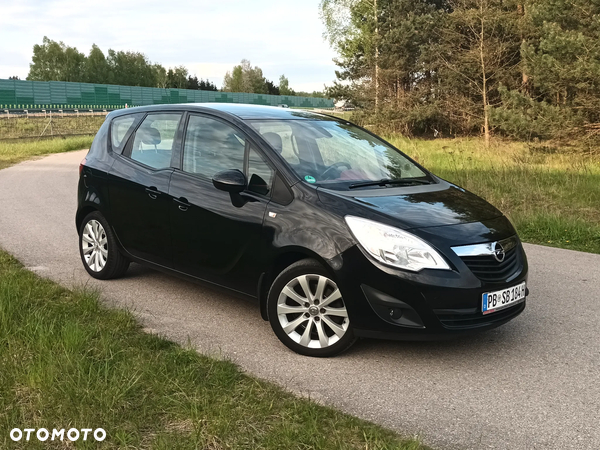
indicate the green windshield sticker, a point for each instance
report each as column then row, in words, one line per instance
column 310, row 179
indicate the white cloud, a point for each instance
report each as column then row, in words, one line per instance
column 207, row 36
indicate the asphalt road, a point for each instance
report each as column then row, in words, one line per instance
column 531, row 384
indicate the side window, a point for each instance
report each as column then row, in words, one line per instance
column 153, row 143
column 212, row 146
column 119, row 130
column 260, row 174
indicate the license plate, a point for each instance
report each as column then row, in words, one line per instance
column 495, row 301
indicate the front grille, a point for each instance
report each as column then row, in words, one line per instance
column 473, row 318
column 487, row 268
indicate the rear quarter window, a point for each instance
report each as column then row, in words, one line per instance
column 120, row 129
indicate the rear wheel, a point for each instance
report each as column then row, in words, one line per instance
column 307, row 311
column 98, row 248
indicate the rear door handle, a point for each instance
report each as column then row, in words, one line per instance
column 153, row 193
column 182, row 203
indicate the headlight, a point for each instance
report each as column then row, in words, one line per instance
column 395, row 247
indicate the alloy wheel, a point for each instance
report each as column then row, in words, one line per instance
column 311, row 311
column 94, row 245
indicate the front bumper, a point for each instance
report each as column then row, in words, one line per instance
column 389, row 303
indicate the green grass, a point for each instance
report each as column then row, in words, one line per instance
column 15, row 152
column 552, row 195
column 68, row 362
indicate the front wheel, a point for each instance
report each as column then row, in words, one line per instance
column 307, row 311
column 98, row 248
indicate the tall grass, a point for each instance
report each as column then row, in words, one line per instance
column 551, row 195
column 67, row 362
column 14, row 152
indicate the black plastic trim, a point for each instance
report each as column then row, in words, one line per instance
column 391, row 309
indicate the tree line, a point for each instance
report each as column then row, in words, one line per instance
column 56, row 61
column 245, row 78
column 520, row 68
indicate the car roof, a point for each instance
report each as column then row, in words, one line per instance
column 242, row 111
column 245, row 111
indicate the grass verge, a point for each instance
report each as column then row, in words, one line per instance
column 33, row 127
column 15, row 152
column 551, row 195
column 68, row 362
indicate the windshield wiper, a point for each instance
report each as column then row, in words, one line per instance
column 386, row 181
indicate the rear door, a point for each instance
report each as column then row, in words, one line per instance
column 139, row 187
column 213, row 239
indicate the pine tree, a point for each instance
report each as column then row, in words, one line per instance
column 563, row 59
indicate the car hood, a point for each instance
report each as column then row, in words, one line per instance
column 424, row 206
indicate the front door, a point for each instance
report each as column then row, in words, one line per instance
column 139, row 185
column 213, row 239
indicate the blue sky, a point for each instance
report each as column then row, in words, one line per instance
column 209, row 37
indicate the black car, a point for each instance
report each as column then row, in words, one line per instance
column 335, row 232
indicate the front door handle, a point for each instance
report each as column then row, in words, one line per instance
column 182, row 203
column 153, row 193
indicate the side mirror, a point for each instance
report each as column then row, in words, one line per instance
column 232, row 181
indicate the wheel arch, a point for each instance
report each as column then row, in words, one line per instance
column 82, row 213
column 284, row 259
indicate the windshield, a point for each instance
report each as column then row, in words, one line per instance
column 338, row 155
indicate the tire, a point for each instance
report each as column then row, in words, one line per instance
column 313, row 324
column 98, row 248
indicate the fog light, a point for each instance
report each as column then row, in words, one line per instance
column 395, row 313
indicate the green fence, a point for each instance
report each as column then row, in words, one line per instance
column 32, row 95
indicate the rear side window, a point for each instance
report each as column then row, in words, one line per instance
column 212, row 146
column 154, row 140
column 121, row 128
